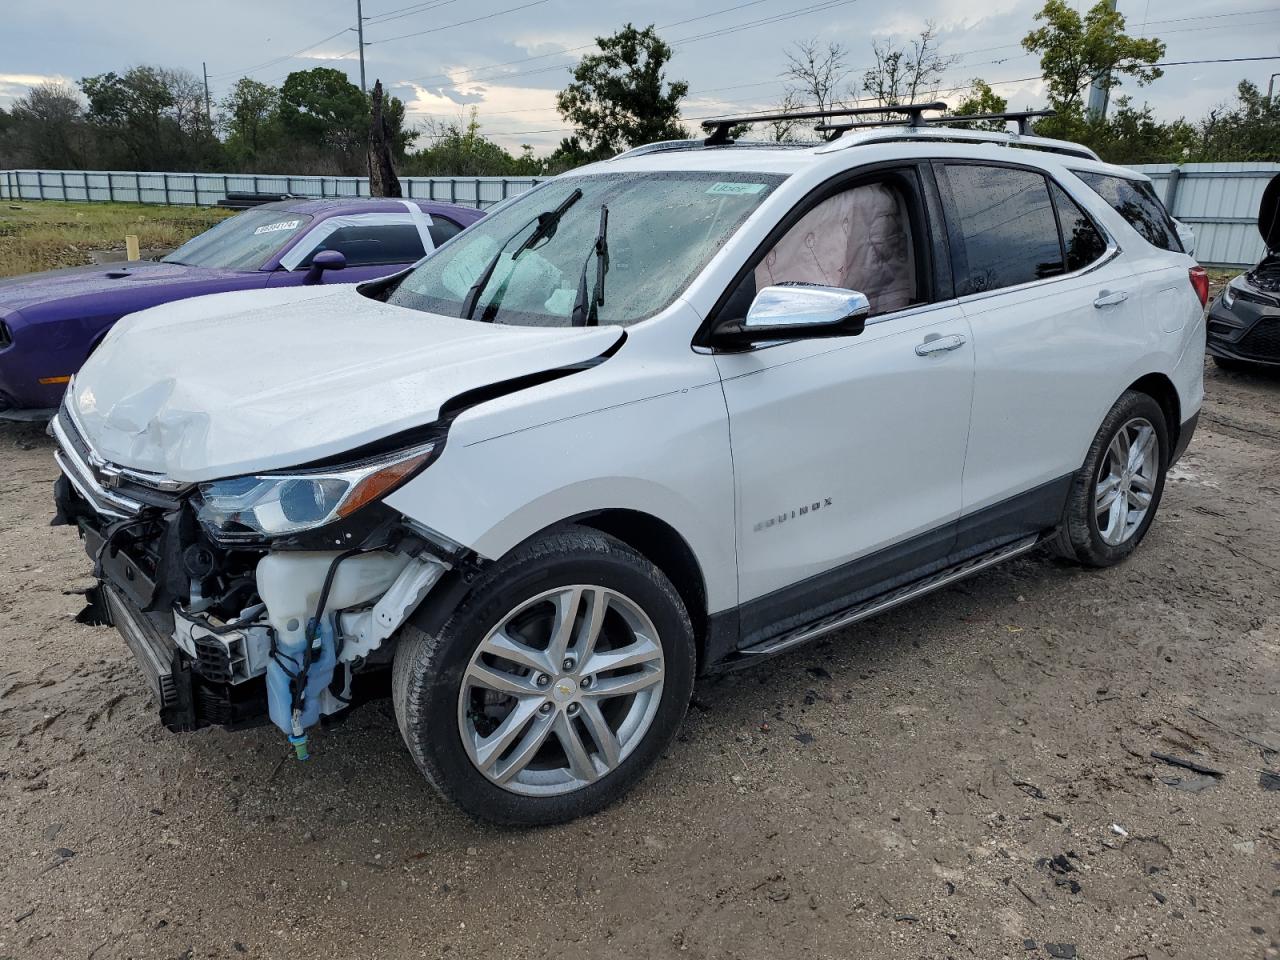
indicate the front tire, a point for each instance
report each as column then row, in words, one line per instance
column 553, row 687
column 1114, row 496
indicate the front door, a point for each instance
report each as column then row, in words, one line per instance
column 848, row 452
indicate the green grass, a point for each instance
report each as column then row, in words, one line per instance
column 42, row 235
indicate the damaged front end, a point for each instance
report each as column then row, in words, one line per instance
column 1244, row 321
column 259, row 597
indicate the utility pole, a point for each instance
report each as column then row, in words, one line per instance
column 360, row 38
column 208, row 109
column 1100, row 88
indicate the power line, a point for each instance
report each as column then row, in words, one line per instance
column 567, row 50
column 281, row 59
column 410, row 11
column 460, row 23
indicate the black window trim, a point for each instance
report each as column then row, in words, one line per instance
column 1171, row 222
column 950, row 217
column 305, row 264
column 930, row 242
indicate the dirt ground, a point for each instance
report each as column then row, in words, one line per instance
column 969, row 776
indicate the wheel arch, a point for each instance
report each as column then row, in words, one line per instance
column 1160, row 388
column 650, row 536
column 663, row 546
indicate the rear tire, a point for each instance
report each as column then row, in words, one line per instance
column 1115, row 494
column 583, row 725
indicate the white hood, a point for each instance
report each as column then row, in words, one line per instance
column 243, row 382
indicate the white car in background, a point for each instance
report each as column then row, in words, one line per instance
column 664, row 415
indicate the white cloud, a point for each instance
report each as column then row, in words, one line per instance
column 15, row 85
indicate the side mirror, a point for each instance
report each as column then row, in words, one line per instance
column 795, row 311
column 322, row 261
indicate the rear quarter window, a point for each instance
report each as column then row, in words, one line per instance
column 1137, row 202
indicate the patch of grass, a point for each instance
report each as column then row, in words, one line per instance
column 42, row 235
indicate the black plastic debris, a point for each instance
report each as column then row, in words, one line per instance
column 1268, row 780
column 1187, row 764
column 1030, row 789
column 1061, row 951
column 1028, row 944
column 803, row 737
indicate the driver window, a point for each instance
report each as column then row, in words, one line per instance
column 859, row 239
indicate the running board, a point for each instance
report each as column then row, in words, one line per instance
column 886, row 601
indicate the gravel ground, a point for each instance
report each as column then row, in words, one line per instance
column 969, row 776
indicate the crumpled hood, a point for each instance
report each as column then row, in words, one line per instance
column 244, row 382
column 98, row 280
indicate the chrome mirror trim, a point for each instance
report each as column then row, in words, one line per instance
column 803, row 305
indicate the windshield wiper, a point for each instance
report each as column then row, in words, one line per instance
column 547, row 222
column 584, row 314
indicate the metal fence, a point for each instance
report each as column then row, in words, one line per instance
column 1219, row 200
column 1220, row 203
column 206, row 189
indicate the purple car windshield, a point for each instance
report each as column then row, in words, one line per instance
column 243, row 242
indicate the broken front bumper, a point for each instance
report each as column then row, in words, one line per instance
column 219, row 631
column 1248, row 329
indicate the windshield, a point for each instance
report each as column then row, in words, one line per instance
column 243, row 242
column 663, row 228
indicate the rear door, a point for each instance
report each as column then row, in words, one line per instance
column 848, row 452
column 1056, row 323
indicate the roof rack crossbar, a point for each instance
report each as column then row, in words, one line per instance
column 718, row 129
column 1019, row 116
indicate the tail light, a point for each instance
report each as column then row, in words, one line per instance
column 1200, row 283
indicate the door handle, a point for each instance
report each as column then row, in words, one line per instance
column 938, row 344
column 1109, row 298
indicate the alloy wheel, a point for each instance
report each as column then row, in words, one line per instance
column 1126, row 482
column 561, row 690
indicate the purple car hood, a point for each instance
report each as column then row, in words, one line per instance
column 244, row 382
column 119, row 279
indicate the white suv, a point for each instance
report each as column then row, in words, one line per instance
column 663, row 415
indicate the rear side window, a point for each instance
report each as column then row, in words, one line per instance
column 1138, row 204
column 442, row 229
column 1006, row 222
column 365, row 246
column 1081, row 241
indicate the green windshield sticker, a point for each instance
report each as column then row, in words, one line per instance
column 735, row 189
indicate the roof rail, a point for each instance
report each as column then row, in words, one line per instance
column 718, row 129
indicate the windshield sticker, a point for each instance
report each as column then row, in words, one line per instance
column 276, row 227
column 735, row 189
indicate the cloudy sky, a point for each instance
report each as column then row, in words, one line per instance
column 508, row 57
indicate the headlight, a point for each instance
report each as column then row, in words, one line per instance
column 1228, row 295
column 278, row 503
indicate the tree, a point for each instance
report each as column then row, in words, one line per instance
column 1247, row 130
column 457, row 148
column 1075, row 52
column 321, row 109
column 982, row 99
column 815, row 77
column 620, row 97
column 251, row 121
column 326, row 117
column 130, row 114
column 906, row 74
column 46, row 128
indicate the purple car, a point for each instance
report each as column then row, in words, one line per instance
column 49, row 322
